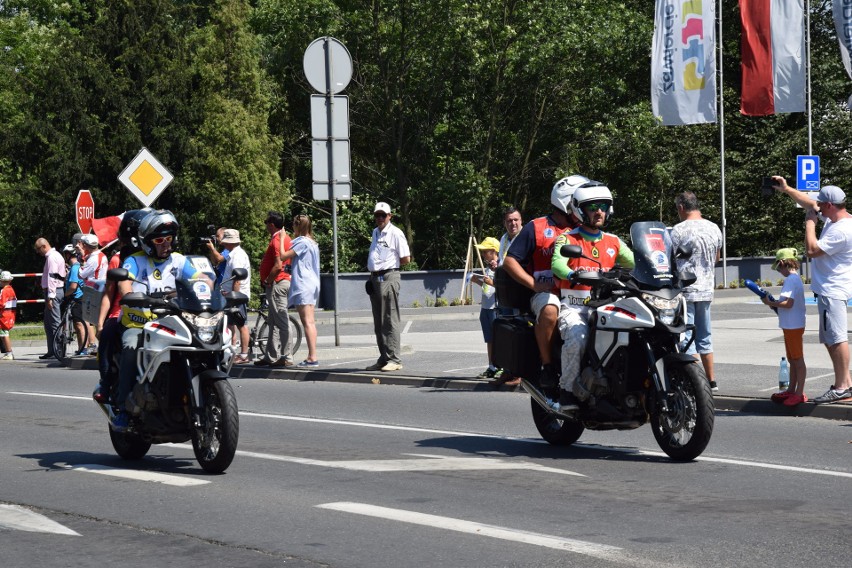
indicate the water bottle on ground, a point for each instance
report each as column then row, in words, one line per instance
column 784, row 375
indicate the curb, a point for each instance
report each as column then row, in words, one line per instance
column 745, row 405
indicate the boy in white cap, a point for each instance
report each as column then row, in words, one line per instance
column 831, row 280
column 8, row 303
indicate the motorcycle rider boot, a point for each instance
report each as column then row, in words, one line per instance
column 120, row 421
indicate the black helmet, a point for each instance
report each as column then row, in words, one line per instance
column 128, row 231
column 159, row 223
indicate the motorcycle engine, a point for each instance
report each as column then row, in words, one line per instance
column 141, row 399
column 591, row 383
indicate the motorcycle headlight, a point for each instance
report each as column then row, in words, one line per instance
column 667, row 308
column 205, row 324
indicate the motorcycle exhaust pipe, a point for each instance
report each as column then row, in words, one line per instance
column 549, row 405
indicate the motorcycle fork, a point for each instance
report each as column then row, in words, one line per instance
column 657, row 368
column 192, row 403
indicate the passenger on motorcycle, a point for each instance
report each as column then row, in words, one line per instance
column 592, row 204
column 158, row 267
column 528, row 262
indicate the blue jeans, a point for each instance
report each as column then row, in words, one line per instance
column 698, row 313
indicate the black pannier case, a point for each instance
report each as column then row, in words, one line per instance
column 515, row 349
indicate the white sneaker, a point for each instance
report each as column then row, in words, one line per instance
column 391, row 366
column 375, row 367
column 7, row 357
column 833, row 395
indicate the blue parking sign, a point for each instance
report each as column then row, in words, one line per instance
column 807, row 173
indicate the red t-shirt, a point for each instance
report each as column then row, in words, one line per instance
column 114, row 306
column 273, row 251
column 8, row 302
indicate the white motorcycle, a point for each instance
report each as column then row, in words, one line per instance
column 634, row 369
column 182, row 391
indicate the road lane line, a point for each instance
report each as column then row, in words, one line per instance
column 407, row 327
column 136, row 475
column 602, row 551
column 18, row 518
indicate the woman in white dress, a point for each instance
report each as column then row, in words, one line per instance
column 304, row 281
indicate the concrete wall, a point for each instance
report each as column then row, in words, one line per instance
column 418, row 286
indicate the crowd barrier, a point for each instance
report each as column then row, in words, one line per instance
column 29, row 275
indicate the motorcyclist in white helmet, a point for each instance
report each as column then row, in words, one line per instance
column 528, row 262
column 592, row 205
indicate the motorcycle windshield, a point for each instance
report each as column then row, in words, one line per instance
column 199, row 294
column 652, row 252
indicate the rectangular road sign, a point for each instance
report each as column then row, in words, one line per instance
column 339, row 116
column 807, row 173
column 341, row 191
column 340, row 172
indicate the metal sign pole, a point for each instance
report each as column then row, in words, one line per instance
column 329, row 97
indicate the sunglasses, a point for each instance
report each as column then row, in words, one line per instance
column 161, row 240
column 380, row 215
column 603, row 206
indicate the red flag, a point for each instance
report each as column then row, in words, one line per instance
column 772, row 57
column 106, row 229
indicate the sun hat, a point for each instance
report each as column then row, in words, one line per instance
column 5, row 276
column 831, row 194
column 383, row 207
column 785, row 254
column 230, row 237
column 489, row 243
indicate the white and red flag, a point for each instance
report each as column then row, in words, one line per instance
column 773, row 49
column 842, row 10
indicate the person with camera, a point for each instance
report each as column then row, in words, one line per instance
column 591, row 203
column 705, row 239
column 218, row 258
column 831, row 276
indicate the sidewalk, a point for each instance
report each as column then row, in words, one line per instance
column 443, row 349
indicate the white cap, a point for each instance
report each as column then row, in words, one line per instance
column 5, row 276
column 383, row 207
column 89, row 240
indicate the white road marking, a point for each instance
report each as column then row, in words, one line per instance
column 165, row 479
column 462, row 369
column 407, row 326
column 806, row 380
column 427, row 462
column 337, row 364
column 607, row 552
column 21, row 519
column 639, row 451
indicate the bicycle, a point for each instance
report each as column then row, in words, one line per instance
column 65, row 334
column 259, row 333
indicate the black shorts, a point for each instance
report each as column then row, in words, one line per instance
column 76, row 310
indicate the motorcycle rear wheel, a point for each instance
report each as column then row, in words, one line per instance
column 554, row 430
column 215, row 444
column 684, row 432
column 128, row 446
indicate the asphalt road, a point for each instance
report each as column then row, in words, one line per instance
column 347, row 475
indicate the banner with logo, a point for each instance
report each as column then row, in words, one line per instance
column 683, row 64
column 843, row 24
column 773, row 49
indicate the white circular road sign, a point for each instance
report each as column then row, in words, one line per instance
column 328, row 65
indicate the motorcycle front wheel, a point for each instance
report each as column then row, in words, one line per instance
column 215, row 442
column 684, row 431
column 128, row 446
column 553, row 429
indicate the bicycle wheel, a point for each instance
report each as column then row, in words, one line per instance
column 257, row 340
column 296, row 334
column 61, row 338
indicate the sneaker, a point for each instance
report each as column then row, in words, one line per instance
column 833, row 395
column 795, row 399
column 101, row 395
column 282, row 362
column 780, row 397
column 567, row 400
column 121, row 421
column 713, row 386
column 489, row 373
column 7, row 357
column 548, row 377
column 375, row 367
column 92, row 350
column 391, row 366
column 262, row 363
column 307, row 363
column 47, row 356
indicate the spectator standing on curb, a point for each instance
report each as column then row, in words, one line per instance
column 528, row 262
column 305, row 281
column 790, row 306
column 490, row 248
column 275, row 277
column 53, row 264
column 705, row 240
column 237, row 258
column 388, row 252
column 513, row 223
column 831, row 272
column 73, row 293
column 8, row 304
column 93, row 274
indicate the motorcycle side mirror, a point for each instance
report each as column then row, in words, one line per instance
column 571, row 251
column 240, row 274
column 687, row 278
column 683, row 251
column 118, row 275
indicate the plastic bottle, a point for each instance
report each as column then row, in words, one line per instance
column 784, row 375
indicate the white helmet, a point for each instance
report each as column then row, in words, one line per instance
column 593, row 192
column 563, row 190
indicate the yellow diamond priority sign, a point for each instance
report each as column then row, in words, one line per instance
column 145, row 177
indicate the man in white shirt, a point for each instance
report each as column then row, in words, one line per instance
column 388, row 251
column 831, row 276
column 237, row 258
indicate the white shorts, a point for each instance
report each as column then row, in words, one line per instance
column 542, row 299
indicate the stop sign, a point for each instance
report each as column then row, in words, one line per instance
column 85, row 210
